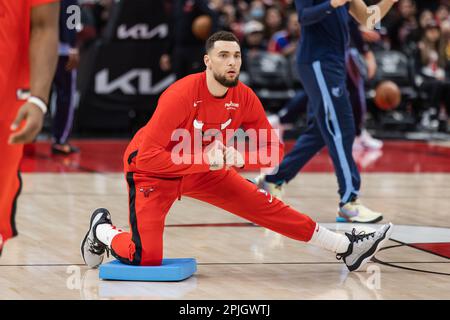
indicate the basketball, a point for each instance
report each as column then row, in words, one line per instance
column 387, row 95
column 201, row 27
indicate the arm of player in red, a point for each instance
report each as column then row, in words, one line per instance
column 155, row 154
column 267, row 151
column 43, row 54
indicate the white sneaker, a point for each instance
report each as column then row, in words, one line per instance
column 93, row 249
column 358, row 145
column 272, row 188
column 363, row 246
column 356, row 212
column 369, row 142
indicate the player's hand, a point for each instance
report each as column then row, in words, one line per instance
column 370, row 35
column 215, row 156
column 34, row 119
column 164, row 63
column 233, row 158
column 371, row 65
column 74, row 60
column 339, row 3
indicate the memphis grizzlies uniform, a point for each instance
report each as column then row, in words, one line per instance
column 321, row 64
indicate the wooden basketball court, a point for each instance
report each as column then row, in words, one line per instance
column 236, row 259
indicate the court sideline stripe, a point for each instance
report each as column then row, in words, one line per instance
column 233, row 263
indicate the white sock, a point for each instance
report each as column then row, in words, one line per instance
column 329, row 240
column 106, row 232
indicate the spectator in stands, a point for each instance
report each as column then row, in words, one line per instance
column 185, row 52
column 228, row 20
column 425, row 18
column 431, row 70
column 442, row 14
column 286, row 41
column 445, row 47
column 64, row 83
column 360, row 66
column 243, row 9
column 429, row 4
column 273, row 22
column 94, row 17
column 257, row 11
column 405, row 27
column 254, row 41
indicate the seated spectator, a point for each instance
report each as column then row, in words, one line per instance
column 426, row 17
column 405, row 27
column 285, row 42
column 273, row 22
column 445, row 47
column 432, row 81
column 254, row 41
column 257, row 11
column 428, row 5
column 228, row 20
column 442, row 14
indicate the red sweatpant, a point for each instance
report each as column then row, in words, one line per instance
column 9, row 176
column 151, row 198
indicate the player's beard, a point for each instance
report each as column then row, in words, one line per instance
column 225, row 82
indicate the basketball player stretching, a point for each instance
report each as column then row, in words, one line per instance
column 214, row 100
column 28, row 56
column 322, row 70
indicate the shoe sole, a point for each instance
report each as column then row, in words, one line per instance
column 374, row 249
column 348, row 220
column 92, row 223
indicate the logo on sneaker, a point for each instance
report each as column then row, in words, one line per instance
column 268, row 195
column 349, row 213
column 146, row 191
column 197, row 102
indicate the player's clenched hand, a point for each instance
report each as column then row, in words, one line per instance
column 34, row 119
column 73, row 61
column 215, row 155
column 339, row 3
column 233, row 158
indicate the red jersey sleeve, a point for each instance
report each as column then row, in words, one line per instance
column 155, row 154
column 268, row 145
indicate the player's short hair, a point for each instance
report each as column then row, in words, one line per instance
column 220, row 36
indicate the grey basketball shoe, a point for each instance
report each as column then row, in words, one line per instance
column 363, row 246
column 92, row 249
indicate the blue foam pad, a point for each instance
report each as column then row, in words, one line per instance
column 169, row 270
column 340, row 219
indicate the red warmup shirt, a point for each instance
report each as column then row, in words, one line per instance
column 185, row 105
column 14, row 49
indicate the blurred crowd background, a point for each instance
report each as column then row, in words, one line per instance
column 118, row 41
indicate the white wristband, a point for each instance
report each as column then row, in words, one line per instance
column 38, row 103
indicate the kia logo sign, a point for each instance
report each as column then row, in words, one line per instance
column 134, row 82
column 142, row 31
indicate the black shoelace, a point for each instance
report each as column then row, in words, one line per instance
column 97, row 247
column 360, row 236
column 354, row 238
